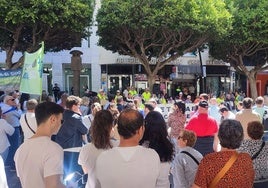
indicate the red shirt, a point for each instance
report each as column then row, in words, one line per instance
column 202, row 125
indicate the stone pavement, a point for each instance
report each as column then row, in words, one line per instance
column 12, row 179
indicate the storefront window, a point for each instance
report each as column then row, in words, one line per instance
column 85, row 80
column 213, row 86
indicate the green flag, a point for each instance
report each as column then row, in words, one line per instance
column 31, row 77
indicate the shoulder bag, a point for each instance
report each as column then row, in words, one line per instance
column 28, row 124
column 223, row 171
column 190, row 155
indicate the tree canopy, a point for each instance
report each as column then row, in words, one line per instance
column 246, row 44
column 60, row 24
column 160, row 29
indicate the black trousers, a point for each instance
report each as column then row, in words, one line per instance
column 204, row 144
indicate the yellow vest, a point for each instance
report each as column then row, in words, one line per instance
column 146, row 96
column 163, row 101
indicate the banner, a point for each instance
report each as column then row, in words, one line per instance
column 10, row 79
column 31, row 78
column 167, row 108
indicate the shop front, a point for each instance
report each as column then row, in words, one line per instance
column 116, row 77
column 187, row 79
column 179, row 75
column 218, row 79
column 185, row 75
column 120, row 76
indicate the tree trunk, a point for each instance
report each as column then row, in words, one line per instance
column 10, row 51
column 151, row 81
column 19, row 63
column 253, row 85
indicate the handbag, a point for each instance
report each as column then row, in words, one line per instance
column 223, row 171
column 258, row 152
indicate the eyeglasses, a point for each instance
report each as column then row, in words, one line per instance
column 179, row 137
column 11, row 99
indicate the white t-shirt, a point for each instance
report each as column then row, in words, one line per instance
column 3, row 179
column 30, row 116
column 36, row 159
column 5, row 129
column 131, row 167
column 163, row 180
column 87, row 158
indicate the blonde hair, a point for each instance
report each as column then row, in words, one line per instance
column 95, row 107
column 85, row 101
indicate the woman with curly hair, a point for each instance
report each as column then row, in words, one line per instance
column 101, row 131
column 257, row 149
column 186, row 161
column 156, row 137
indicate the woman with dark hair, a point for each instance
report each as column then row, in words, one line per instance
column 156, row 137
column 238, row 167
column 258, row 150
column 101, row 130
column 176, row 122
column 177, row 119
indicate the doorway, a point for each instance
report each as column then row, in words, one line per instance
column 84, row 81
column 118, row 82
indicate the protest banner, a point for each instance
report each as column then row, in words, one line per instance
column 31, row 78
column 167, row 108
column 10, row 79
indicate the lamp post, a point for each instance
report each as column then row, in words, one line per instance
column 202, row 88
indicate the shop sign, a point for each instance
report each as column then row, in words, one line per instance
column 129, row 60
column 140, row 77
column 179, row 61
column 216, row 62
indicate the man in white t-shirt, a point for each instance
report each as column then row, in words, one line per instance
column 28, row 121
column 3, row 178
column 39, row 161
column 128, row 165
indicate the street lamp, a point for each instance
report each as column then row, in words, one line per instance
column 202, row 72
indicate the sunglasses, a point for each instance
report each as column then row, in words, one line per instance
column 11, row 99
column 179, row 137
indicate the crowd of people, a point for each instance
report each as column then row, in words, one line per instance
column 123, row 140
